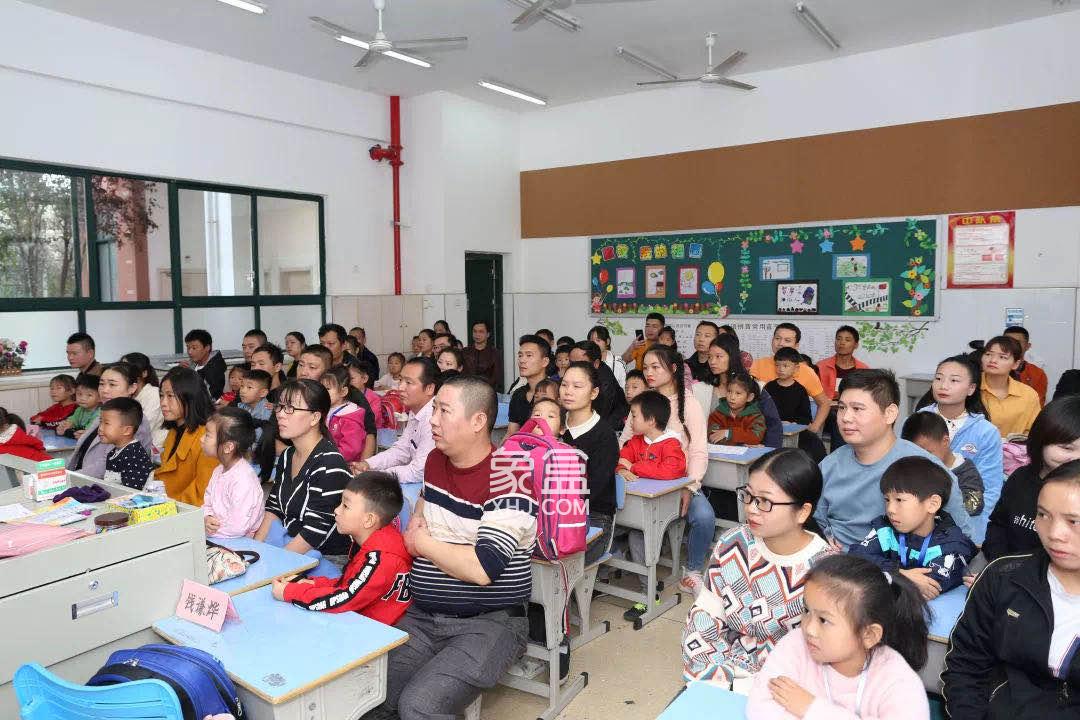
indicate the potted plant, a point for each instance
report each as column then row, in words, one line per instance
column 12, row 356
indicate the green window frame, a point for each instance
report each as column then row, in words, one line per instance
column 81, row 304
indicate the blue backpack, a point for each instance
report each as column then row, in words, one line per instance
column 197, row 677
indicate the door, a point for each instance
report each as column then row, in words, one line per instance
column 483, row 292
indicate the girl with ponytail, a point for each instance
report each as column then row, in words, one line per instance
column 737, row 620
column 860, row 642
column 664, row 372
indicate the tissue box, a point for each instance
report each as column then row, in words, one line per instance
column 48, row 480
column 142, row 508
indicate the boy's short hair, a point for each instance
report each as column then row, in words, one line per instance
column 653, row 406
column 88, row 381
column 320, row 352
column 881, row 384
column 742, row 378
column 918, row 476
column 65, row 380
column 564, row 349
column 1018, row 330
column 399, row 356
column 277, row 357
column 635, row 374
column 201, row 336
column 849, row 330
column 382, row 493
column 81, row 338
column 130, row 410
column 924, row 425
column 339, row 374
column 792, row 327
column 261, row 377
column 788, row 353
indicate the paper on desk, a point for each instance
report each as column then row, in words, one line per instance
column 727, row 449
column 65, row 512
column 14, row 511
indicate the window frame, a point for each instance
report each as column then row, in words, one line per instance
column 81, row 304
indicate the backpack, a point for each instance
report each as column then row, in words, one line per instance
column 384, row 415
column 197, row 677
column 561, row 522
column 396, row 402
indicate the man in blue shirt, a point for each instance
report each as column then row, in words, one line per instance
column 851, row 498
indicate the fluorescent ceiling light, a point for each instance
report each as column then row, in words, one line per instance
column 512, row 92
column 647, row 64
column 811, row 21
column 566, row 22
column 251, row 7
column 407, row 58
column 352, row 41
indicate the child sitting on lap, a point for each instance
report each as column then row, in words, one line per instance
column 253, row 391
column 651, row 452
column 128, row 463
column 737, row 419
column 915, row 537
column 375, row 581
column 233, row 504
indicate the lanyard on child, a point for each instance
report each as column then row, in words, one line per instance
column 858, row 690
column 922, row 551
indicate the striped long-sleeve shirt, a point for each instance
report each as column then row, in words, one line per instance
column 460, row 507
column 305, row 503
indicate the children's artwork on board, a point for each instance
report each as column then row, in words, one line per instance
column 797, row 298
column 851, row 266
column 655, row 281
column 688, row 282
column 777, row 268
column 866, row 297
column 625, row 286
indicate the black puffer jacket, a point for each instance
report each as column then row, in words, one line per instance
column 1011, row 529
column 996, row 667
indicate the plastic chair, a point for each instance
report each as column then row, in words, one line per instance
column 43, row 696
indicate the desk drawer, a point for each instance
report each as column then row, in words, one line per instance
column 57, row 621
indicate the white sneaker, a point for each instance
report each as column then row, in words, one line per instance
column 692, row 582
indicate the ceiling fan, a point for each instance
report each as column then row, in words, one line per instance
column 536, row 10
column 379, row 44
column 714, row 74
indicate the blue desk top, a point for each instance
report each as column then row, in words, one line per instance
column 279, row 651
column 794, row 428
column 385, row 437
column 502, row 418
column 274, row 562
column 655, row 488
column 53, row 441
column 701, row 700
column 751, row 454
column 944, row 612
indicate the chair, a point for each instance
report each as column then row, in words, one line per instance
column 43, row 696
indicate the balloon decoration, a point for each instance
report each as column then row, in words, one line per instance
column 609, row 288
column 604, row 278
column 716, row 273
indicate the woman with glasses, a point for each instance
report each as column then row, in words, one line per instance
column 310, row 476
column 755, row 578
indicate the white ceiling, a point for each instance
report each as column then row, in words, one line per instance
column 563, row 66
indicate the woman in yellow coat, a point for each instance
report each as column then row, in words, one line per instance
column 185, row 407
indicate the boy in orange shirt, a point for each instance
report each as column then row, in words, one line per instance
column 1031, row 375
column 651, row 452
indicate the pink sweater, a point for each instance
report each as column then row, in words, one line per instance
column 235, row 498
column 696, row 449
column 893, row 691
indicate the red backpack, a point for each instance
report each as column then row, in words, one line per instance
column 558, row 484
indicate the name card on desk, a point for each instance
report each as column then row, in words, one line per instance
column 727, row 449
column 205, row 606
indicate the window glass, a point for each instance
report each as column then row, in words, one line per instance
column 132, row 219
column 215, row 244
column 288, row 246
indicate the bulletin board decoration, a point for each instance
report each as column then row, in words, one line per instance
column 982, row 250
column 889, row 267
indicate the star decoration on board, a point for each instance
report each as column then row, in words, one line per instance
column 596, row 259
column 826, row 246
column 858, row 243
column 796, row 246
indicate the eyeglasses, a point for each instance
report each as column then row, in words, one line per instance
column 289, row 409
column 763, row 504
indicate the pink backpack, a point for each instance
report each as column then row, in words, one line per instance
column 557, row 483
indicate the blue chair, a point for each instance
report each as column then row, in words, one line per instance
column 43, row 696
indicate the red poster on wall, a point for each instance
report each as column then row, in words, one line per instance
column 981, row 250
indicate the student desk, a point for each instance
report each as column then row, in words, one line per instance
column 730, row 472
column 701, row 699
column 57, row 445
column 651, row 506
column 385, row 437
column 292, row 663
column 274, row 562
column 502, row 419
column 791, row 434
column 552, row 585
column 944, row 612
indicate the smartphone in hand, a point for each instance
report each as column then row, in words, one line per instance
column 640, row 334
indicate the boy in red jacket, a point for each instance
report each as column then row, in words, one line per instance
column 651, row 452
column 62, row 393
column 376, row 579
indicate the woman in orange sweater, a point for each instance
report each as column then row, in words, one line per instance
column 185, row 406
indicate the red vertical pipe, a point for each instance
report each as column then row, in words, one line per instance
column 395, row 163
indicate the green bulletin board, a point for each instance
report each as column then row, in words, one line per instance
column 873, row 269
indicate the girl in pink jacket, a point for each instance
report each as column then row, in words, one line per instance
column 233, row 502
column 863, row 632
column 346, row 419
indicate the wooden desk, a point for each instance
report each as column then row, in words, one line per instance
column 701, row 700
column 791, row 434
column 944, row 612
column 651, row 506
column 293, row 663
column 274, row 562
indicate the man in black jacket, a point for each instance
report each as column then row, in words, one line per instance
column 206, row 361
column 610, row 404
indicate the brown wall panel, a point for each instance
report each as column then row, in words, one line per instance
column 1020, row 159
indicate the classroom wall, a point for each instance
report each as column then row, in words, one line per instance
column 1024, row 65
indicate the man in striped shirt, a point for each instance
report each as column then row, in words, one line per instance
column 472, row 574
